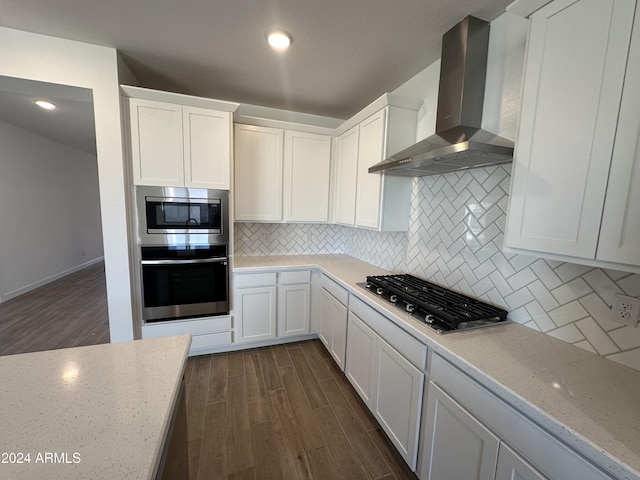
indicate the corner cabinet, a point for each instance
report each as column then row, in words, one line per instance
column 281, row 175
column 574, row 193
column 372, row 200
column 175, row 142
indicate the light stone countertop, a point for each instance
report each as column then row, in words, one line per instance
column 591, row 403
column 105, row 410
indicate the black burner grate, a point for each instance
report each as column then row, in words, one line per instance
column 448, row 309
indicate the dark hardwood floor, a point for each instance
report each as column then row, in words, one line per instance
column 69, row 312
column 282, row 412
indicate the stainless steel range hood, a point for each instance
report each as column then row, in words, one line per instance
column 460, row 142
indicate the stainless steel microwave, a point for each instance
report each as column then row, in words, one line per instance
column 182, row 216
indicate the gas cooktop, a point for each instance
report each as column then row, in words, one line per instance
column 442, row 309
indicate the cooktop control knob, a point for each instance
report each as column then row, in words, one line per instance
column 368, row 285
column 393, row 298
column 410, row 307
column 380, row 291
column 429, row 319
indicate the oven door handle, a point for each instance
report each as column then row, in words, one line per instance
column 185, row 262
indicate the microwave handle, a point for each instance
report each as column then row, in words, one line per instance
column 184, row 262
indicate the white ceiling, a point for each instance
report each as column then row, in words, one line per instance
column 345, row 53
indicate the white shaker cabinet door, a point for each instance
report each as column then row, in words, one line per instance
column 576, row 57
column 369, row 186
column 293, row 309
column 346, row 175
column 512, row 466
column 398, row 400
column 207, row 148
column 456, row 444
column 621, row 218
column 156, row 143
column 338, row 345
column 258, row 173
column 333, row 327
column 360, row 362
column 307, row 176
column 255, row 314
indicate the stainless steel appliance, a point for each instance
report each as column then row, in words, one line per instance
column 442, row 309
column 181, row 281
column 183, row 242
column 182, row 216
column 460, row 142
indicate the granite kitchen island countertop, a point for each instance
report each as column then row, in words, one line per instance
column 591, row 403
column 97, row 412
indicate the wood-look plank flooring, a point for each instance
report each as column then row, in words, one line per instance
column 282, row 412
column 69, row 312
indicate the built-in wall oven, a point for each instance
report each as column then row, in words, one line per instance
column 183, row 242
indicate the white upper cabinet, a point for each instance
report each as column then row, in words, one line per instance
column 258, row 173
column 281, row 175
column 372, row 200
column 156, row 143
column 371, row 150
column 179, row 145
column 207, row 148
column 621, row 218
column 346, row 175
column 307, row 177
column 573, row 83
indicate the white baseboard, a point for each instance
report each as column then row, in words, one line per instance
column 20, row 291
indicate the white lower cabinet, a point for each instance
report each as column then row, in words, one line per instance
column 333, row 319
column 398, row 400
column 294, row 307
column 512, row 466
column 361, row 356
column 456, row 444
column 271, row 305
column 382, row 374
column 468, row 432
column 255, row 314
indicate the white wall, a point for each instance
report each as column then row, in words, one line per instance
column 49, row 209
column 55, row 60
column 505, row 63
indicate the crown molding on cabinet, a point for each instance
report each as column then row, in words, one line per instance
column 524, row 8
column 384, row 100
column 178, row 98
column 271, row 123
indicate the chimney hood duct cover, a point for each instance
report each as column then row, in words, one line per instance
column 460, row 142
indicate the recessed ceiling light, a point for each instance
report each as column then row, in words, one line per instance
column 279, row 39
column 46, row 105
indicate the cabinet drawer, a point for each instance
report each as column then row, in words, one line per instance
column 249, row 280
column 179, row 327
column 210, row 340
column 409, row 347
column 341, row 294
column 548, row 454
column 291, row 278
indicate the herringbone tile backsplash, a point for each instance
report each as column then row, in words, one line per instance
column 455, row 239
